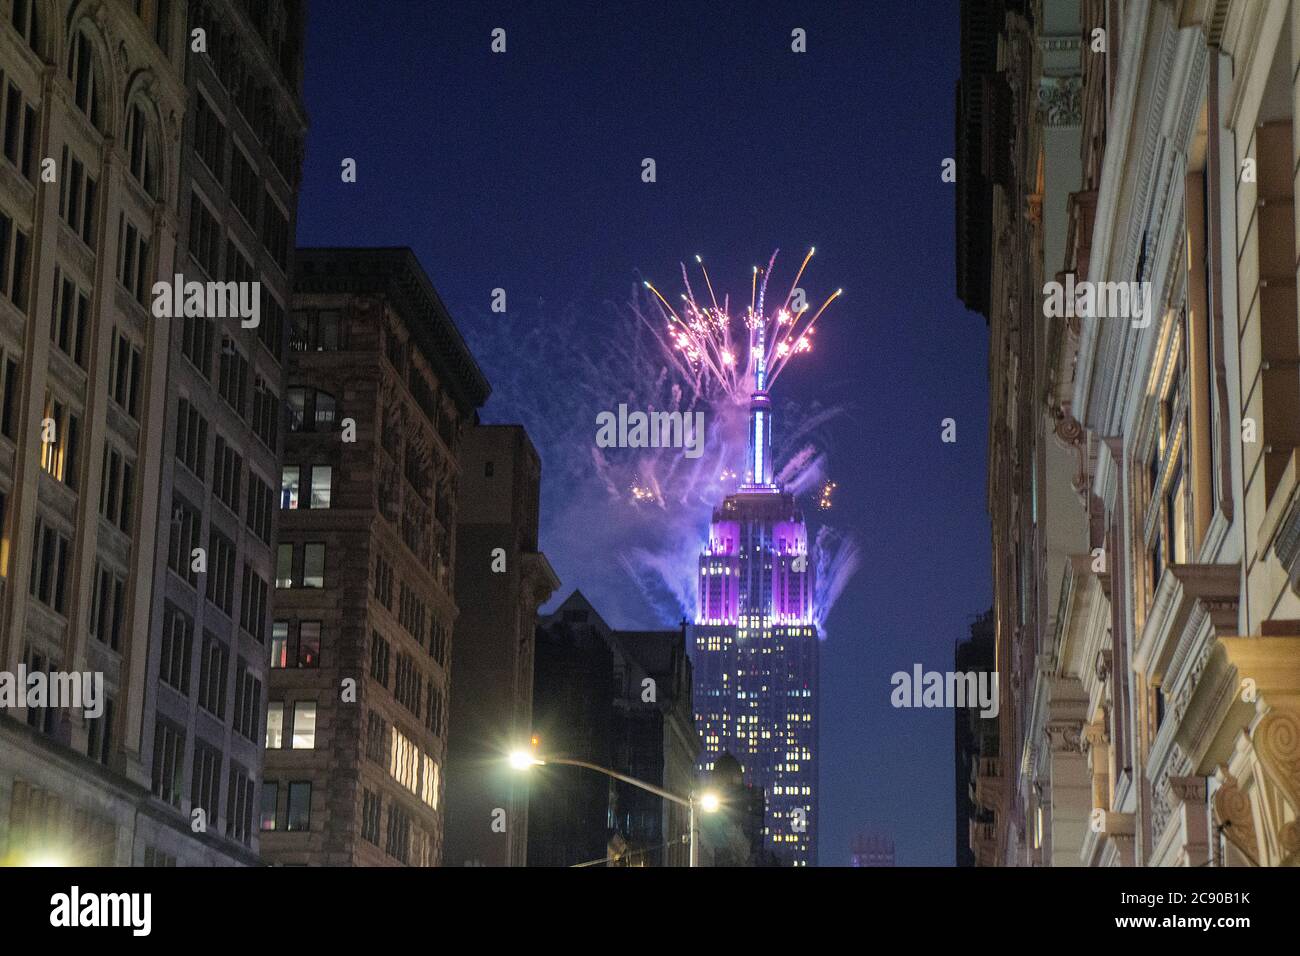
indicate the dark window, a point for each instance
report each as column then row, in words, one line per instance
column 253, row 603
column 269, row 818
column 378, row 658
column 205, row 788
column 185, row 529
column 221, row 571
column 68, row 318
column 299, row 806
column 51, row 564
column 99, row 739
column 275, row 232
column 205, row 236
column 398, row 843
column 9, row 400
column 371, row 807
column 212, row 676
column 239, row 805
column 84, row 73
column 142, row 159
column 191, row 438
column 108, row 607
column 248, row 701
column 168, row 762
column 177, row 643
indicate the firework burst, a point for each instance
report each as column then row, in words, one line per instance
column 824, row 496
column 706, row 342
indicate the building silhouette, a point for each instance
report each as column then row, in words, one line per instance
column 502, row 580
column 871, row 850
column 734, row 835
column 620, row 700
column 975, row 743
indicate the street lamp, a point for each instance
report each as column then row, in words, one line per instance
column 522, row 760
column 708, row 801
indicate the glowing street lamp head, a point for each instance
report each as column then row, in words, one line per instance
column 523, row 759
column 709, row 802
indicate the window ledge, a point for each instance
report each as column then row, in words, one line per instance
column 1283, row 535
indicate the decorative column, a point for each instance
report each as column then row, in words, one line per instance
column 1071, row 784
column 1188, row 794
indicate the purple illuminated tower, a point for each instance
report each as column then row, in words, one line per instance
column 755, row 643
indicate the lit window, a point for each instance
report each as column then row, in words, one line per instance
column 274, row 725
column 289, row 487
column 304, row 725
column 280, row 644
column 403, row 761
column 321, row 477
column 429, row 789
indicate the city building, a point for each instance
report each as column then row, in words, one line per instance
column 380, row 390
column 221, row 437
column 871, row 849
column 976, row 750
column 755, row 645
column 1143, row 466
column 573, row 692
column 620, row 700
column 100, row 142
column 1018, row 113
column 654, row 740
column 503, row 580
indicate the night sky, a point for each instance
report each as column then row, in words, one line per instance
column 523, row 171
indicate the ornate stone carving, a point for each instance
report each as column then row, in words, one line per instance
column 1233, row 814
column 1161, row 806
column 1277, row 744
column 1189, row 789
column 1068, row 429
column 1102, row 664
column 1095, row 733
column 1060, row 98
column 1063, row 736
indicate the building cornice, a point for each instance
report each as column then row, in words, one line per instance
column 396, row 274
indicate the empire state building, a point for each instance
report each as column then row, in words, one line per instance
column 755, row 646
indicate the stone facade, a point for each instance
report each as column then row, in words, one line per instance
column 97, row 175
column 1148, row 618
column 380, row 391
column 222, row 426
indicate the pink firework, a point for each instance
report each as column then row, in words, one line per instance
column 742, row 355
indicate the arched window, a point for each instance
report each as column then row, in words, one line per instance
column 86, row 78
column 142, row 150
column 27, row 21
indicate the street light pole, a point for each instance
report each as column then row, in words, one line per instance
column 688, row 802
column 694, row 857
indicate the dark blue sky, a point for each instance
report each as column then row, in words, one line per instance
column 522, row 171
